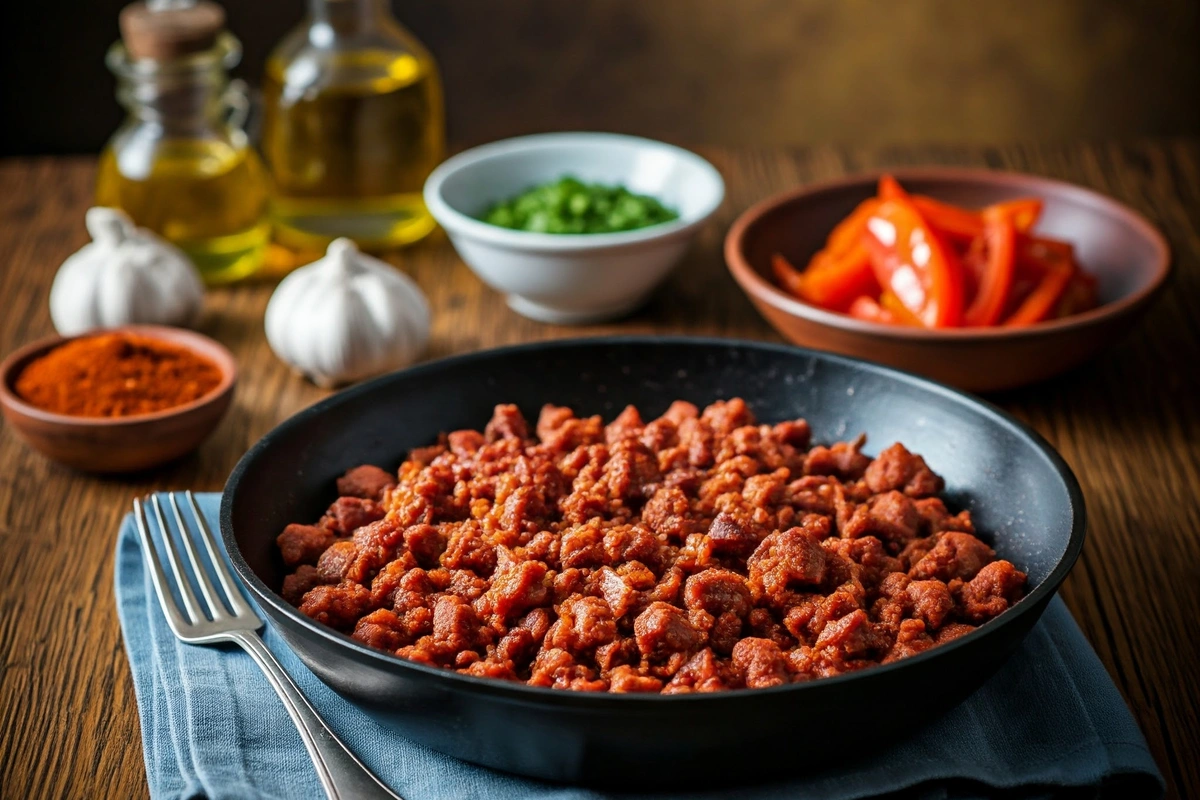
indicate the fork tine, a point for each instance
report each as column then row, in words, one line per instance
column 215, row 607
column 185, row 587
column 161, row 588
column 232, row 592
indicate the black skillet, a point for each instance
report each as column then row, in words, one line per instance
column 1021, row 494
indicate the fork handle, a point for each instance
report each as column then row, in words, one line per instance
column 342, row 775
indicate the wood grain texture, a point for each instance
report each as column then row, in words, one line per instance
column 1128, row 423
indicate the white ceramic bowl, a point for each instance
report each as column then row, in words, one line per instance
column 572, row 278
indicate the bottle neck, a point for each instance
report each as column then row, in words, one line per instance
column 350, row 16
column 185, row 98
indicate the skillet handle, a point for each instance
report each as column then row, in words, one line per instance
column 342, row 775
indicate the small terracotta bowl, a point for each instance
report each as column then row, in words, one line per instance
column 119, row 444
column 1121, row 248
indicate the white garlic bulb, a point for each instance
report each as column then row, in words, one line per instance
column 126, row 275
column 347, row 316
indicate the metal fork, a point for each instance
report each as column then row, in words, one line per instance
column 342, row 775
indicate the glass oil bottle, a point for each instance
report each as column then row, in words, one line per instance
column 181, row 165
column 353, row 124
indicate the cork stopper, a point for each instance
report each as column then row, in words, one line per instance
column 166, row 31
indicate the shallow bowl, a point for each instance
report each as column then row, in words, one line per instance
column 1127, row 254
column 119, row 444
column 572, row 278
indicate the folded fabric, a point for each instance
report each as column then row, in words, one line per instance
column 1049, row 723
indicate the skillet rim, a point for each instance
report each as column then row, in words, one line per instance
column 512, row 691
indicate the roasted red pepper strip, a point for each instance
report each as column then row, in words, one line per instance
column 963, row 225
column 847, row 234
column 830, row 281
column 890, row 188
column 1045, row 296
column 1079, row 296
column 911, row 261
column 1035, row 252
column 1024, row 212
column 892, row 305
column 788, row 276
column 958, row 224
column 866, row 308
column 991, row 293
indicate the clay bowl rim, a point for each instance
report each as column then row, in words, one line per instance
column 193, row 341
column 763, row 290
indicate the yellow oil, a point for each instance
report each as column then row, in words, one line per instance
column 207, row 197
column 350, row 145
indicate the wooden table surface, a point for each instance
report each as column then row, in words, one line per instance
column 1128, row 423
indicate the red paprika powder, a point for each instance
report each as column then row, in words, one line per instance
column 116, row 375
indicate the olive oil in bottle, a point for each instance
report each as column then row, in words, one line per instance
column 181, row 164
column 353, row 125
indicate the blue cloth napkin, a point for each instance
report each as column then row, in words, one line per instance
column 212, row 727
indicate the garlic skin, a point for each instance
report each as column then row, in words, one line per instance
column 347, row 316
column 125, row 276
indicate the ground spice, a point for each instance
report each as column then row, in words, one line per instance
column 116, row 375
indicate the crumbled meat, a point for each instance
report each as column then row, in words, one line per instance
column 727, row 536
column 616, row 591
column 335, row 562
column 382, row 629
column 891, row 516
column 515, row 588
column 348, row 514
column 761, row 663
column 625, row 679
column 506, row 423
column 584, row 623
column 303, row 544
column 367, row 482
column 842, row 460
column 993, row 589
column 935, row 517
column 337, row 606
column 663, row 629
column 788, row 558
column 897, row 469
column 696, row 552
column 718, row 591
column 956, row 555
column 701, row 673
column 297, row 584
column 931, row 602
column 853, row 635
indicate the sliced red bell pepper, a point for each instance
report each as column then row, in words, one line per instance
column 963, row 225
column 829, row 282
column 1023, row 212
column 866, row 308
column 847, row 234
column 959, row 224
column 892, row 305
column 992, row 289
column 912, row 261
column 890, row 188
column 1079, row 296
column 787, row 276
column 1045, row 296
column 1034, row 252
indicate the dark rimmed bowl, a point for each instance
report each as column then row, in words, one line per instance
column 1020, row 491
column 1127, row 254
column 119, row 444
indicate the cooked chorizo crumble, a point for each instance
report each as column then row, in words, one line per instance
column 693, row 553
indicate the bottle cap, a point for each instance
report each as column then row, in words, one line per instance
column 169, row 30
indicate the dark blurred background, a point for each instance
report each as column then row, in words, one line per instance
column 698, row 71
